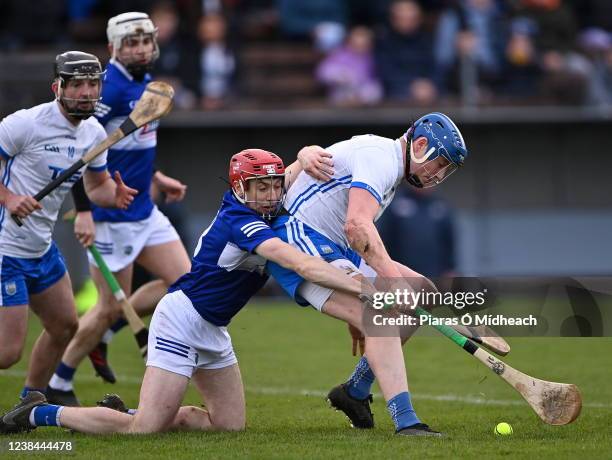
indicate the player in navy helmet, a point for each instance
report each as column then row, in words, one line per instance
column 335, row 219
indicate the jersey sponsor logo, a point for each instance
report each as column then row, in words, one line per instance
column 56, row 171
column 10, row 288
column 52, row 148
column 127, row 250
column 326, row 249
column 150, row 127
column 270, row 169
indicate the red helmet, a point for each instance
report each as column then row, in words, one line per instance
column 253, row 164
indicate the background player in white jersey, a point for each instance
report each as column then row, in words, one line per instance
column 140, row 233
column 335, row 220
column 36, row 145
column 188, row 337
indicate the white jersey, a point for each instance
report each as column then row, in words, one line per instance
column 370, row 162
column 36, row 145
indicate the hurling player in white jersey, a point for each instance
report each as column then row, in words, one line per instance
column 140, row 233
column 36, row 145
column 188, row 337
column 335, row 219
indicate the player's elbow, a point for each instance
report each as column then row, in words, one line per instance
column 354, row 229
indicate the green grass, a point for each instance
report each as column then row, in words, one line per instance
column 290, row 357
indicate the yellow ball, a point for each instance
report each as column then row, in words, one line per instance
column 503, row 429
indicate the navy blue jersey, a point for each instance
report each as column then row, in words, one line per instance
column 225, row 272
column 134, row 155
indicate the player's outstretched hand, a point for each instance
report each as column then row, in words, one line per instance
column 358, row 339
column 124, row 195
column 84, row 228
column 21, row 205
column 173, row 189
column 316, row 162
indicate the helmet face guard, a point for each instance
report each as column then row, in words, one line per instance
column 445, row 154
column 75, row 65
column 248, row 169
column 435, row 171
column 271, row 205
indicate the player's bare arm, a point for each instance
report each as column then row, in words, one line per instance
column 19, row 205
column 308, row 267
column 173, row 188
column 108, row 192
column 363, row 235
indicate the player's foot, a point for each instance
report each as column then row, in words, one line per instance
column 62, row 398
column 418, row 429
column 98, row 358
column 357, row 410
column 113, row 401
column 17, row 419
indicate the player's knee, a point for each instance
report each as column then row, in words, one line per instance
column 64, row 331
column 234, row 424
column 9, row 356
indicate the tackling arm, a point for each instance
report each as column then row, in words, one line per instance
column 308, row 267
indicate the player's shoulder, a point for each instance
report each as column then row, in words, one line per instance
column 94, row 127
column 235, row 213
column 371, row 141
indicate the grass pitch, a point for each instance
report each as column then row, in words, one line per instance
column 290, row 357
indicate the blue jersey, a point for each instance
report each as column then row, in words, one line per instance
column 225, row 272
column 134, row 155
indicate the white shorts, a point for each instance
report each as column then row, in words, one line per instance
column 181, row 341
column 120, row 243
column 317, row 295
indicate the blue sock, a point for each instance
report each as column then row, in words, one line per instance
column 402, row 413
column 65, row 372
column 46, row 415
column 360, row 382
column 26, row 390
column 118, row 325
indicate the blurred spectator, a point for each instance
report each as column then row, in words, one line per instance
column 597, row 44
column 522, row 72
column 217, row 62
column 418, row 232
column 170, row 66
column 404, row 55
column 348, row 72
column 468, row 47
column 565, row 78
column 593, row 13
column 324, row 21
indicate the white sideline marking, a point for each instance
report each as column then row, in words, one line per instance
column 287, row 391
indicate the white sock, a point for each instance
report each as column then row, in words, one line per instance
column 58, row 383
column 108, row 336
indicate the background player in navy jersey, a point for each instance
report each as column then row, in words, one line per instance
column 140, row 233
column 36, row 144
column 188, row 337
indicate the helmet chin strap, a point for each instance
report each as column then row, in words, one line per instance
column 412, row 178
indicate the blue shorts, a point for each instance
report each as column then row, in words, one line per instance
column 20, row 277
column 301, row 236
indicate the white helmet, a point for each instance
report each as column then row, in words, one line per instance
column 132, row 23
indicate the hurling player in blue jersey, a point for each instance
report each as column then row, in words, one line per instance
column 140, row 233
column 188, row 338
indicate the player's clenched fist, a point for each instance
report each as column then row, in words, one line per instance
column 21, row 205
column 124, row 195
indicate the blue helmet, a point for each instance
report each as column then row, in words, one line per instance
column 443, row 139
